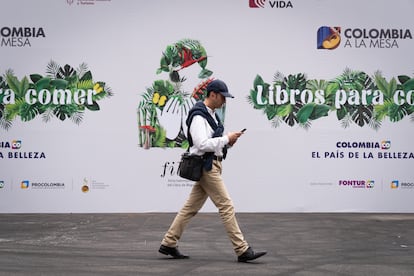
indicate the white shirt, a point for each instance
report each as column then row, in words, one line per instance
column 202, row 133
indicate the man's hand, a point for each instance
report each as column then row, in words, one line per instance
column 233, row 136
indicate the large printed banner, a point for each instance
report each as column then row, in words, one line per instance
column 94, row 96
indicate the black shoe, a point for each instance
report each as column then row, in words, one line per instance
column 172, row 251
column 250, row 255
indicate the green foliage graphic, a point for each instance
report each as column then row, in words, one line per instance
column 354, row 96
column 164, row 105
column 61, row 93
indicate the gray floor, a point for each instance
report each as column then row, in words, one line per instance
column 127, row 244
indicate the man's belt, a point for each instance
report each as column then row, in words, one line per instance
column 218, row 158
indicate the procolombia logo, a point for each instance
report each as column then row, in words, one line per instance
column 20, row 36
column 397, row 184
column 48, row 185
column 271, row 4
column 331, row 37
column 26, row 184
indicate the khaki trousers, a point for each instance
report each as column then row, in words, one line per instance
column 210, row 185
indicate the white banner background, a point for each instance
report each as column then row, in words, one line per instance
column 269, row 170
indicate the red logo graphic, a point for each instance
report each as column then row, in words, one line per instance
column 257, row 3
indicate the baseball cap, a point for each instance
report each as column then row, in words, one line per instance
column 219, row 86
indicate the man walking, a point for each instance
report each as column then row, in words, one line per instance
column 206, row 138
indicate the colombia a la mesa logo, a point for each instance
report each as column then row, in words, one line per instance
column 12, row 36
column 64, row 93
column 362, row 38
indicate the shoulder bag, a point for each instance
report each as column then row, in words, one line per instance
column 191, row 166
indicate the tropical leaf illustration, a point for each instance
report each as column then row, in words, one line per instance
column 163, row 107
column 62, row 85
column 368, row 100
column 183, row 54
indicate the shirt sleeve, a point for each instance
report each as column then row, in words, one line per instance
column 202, row 133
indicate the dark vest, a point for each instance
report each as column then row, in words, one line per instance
column 200, row 109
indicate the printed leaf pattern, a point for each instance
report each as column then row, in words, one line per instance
column 350, row 81
column 57, row 77
column 166, row 98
